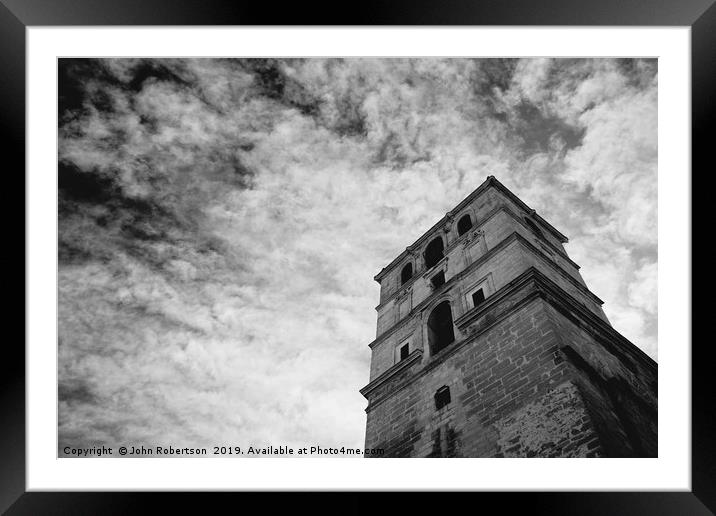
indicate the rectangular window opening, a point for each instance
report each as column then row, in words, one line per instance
column 478, row 298
column 442, row 397
column 404, row 351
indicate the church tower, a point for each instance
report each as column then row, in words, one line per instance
column 490, row 344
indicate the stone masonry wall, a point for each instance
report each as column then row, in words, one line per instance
column 555, row 425
column 619, row 385
column 520, row 389
column 515, row 363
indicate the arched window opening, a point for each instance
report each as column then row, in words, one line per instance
column 406, row 273
column 440, row 329
column 534, row 226
column 442, row 397
column 464, row 225
column 434, row 252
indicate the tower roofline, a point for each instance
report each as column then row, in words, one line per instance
column 490, row 181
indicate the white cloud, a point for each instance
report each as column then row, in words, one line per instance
column 643, row 290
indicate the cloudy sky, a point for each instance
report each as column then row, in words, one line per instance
column 220, row 223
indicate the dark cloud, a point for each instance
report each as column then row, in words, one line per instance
column 399, row 154
column 75, row 391
column 639, row 72
column 351, row 122
column 147, row 70
column 71, row 93
column 496, row 73
column 273, row 82
column 542, row 132
column 491, row 79
column 84, row 187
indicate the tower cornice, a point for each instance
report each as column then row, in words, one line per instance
column 490, row 181
column 529, row 285
column 489, row 254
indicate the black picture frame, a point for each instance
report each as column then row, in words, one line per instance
column 17, row 15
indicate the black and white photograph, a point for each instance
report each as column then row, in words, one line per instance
column 357, row 257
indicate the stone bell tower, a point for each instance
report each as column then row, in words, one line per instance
column 490, row 344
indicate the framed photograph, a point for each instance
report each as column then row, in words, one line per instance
column 263, row 246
